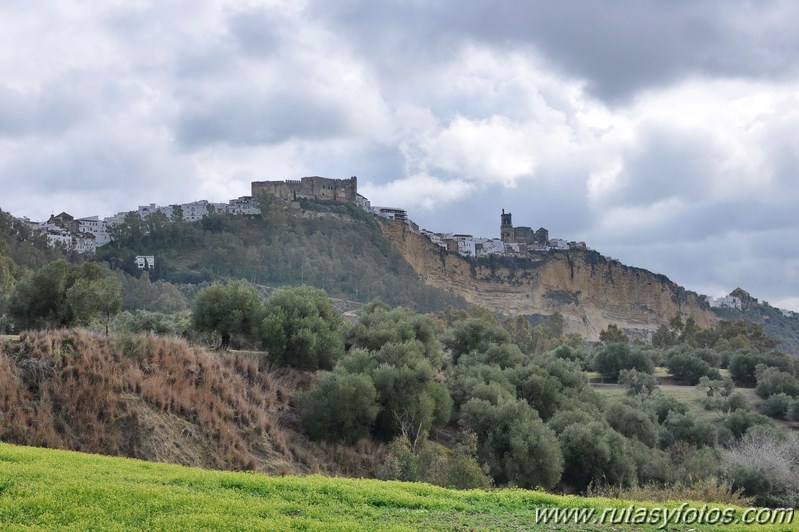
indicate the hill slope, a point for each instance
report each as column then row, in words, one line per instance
column 43, row 488
column 337, row 247
column 159, row 399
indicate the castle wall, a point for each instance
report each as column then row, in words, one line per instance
column 314, row 188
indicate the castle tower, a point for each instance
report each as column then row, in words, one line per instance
column 506, row 228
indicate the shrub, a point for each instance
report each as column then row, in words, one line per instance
column 740, row 421
column 690, row 369
column 765, row 466
column 227, row 309
column 771, row 380
column 743, row 365
column 341, row 407
column 686, row 428
column 536, row 386
column 777, row 405
column 632, row 423
column 518, row 447
column 474, row 334
column 435, row 464
column 301, row 329
column 596, row 454
column 480, row 381
column 793, row 411
column 637, row 382
column 410, row 399
column 662, row 404
column 379, row 325
column 610, row 359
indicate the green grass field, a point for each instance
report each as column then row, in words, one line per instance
column 47, row 489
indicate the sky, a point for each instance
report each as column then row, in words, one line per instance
column 661, row 132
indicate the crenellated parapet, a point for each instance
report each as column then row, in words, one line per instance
column 313, row 188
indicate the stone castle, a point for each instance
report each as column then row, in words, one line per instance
column 313, row 188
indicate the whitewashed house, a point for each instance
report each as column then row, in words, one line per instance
column 145, row 262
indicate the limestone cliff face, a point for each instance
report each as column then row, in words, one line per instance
column 587, row 289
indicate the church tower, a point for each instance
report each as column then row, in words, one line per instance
column 506, row 228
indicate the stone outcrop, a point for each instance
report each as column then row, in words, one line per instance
column 589, row 290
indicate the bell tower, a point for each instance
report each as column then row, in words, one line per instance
column 506, row 227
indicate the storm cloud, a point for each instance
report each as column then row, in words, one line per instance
column 662, row 133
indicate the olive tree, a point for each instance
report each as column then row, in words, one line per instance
column 300, row 328
column 227, row 309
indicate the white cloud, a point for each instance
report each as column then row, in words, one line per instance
column 107, row 104
column 421, row 190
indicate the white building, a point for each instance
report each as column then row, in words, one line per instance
column 96, row 227
column 558, row 243
column 84, row 243
column 116, row 219
column 145, row 262
column 390, row 213
column 57, row 236
column 146, row 210
column 194, row 211
column 725, row 302
column 486, row 247
column 245, row 205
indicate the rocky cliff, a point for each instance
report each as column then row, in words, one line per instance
column 586, row 288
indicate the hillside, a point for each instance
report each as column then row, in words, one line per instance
column 775, row 324
column 587, row 289
column 159, row 399
column 337, row 247
column 41, row 488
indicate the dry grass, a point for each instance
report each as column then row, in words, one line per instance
column 709, row 490
column 160, row 399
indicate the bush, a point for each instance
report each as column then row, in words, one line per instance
column 765, row 466
column 662, row 404
column 435, row 464
column 474, row 334
column 771, row 381
column 690, row 369
column 778, row 404
column 379, row 325
column 596, row 454
column 144, row 321
column 301, row 329
column 536, row 386
column 632, row 423
column 227, row 309
column 740, row 421
column 686, row 428
column 480, row 381
column 341, row 408
column 610, row 359
column 636, row 382
column 410, row 399
column 793, row 411
column 743, row 365
column 517, row 446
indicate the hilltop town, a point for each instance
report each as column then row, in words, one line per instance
column 85, row 235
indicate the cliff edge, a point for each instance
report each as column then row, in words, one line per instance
column 589, row 290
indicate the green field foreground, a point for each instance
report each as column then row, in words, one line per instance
column 49, row 489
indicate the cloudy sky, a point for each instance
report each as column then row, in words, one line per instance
column 662, row 132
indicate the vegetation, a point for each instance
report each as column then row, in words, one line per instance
column 335, row 247
column 46, row 488
column 227, row 309
column 299, row 328
column 462, row 398
column 62, row 294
